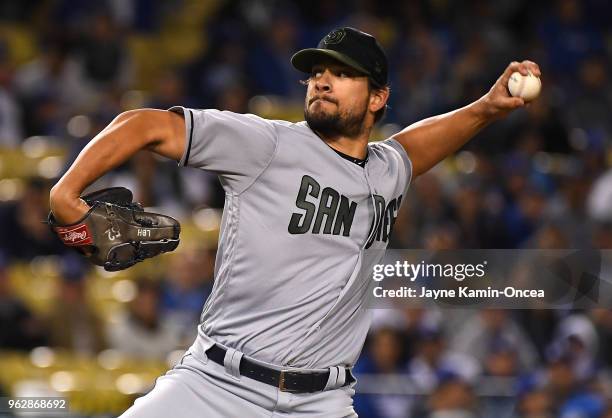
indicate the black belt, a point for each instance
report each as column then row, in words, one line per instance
column 284, row 380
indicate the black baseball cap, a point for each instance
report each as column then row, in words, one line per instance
column 357, row 49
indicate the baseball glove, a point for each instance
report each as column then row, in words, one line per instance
column 117, row 233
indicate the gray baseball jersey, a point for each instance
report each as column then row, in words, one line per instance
column 290, row 282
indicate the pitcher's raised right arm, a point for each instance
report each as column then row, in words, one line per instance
column 159, row 131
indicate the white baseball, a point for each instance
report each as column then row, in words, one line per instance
column 525, row 86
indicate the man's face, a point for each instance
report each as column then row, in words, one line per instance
column 336, row 100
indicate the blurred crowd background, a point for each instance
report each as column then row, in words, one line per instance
column 538, row 179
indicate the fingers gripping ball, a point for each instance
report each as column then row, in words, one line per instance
column 117, row 233
column 526, row 87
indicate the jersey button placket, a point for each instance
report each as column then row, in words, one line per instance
column 373, row 202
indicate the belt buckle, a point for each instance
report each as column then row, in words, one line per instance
column 281, row 382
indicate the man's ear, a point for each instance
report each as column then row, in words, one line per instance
column 378, row 98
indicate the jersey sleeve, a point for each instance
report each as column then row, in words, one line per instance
column 237, row 147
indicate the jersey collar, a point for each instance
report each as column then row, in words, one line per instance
column 359, row 161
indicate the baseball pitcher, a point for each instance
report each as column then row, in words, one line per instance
column 308, row 207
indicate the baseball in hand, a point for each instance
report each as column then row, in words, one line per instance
column 526, row 87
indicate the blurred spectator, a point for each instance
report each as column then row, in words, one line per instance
column 105, row 62
column 568, row 37
column 453, row 398
column 577, row 341
column 549, row 237
column 385, row 355
column 535, row 404
column 188, row 285
column 20, row 329
column 22, row 222
column 234, row 98
column 142, row 331
column 573, row 397
column 502, row 362
column 10, row 113
column 427, row 95
column 599, row 198
column 524, row 215
column 544, row 119
column 50, row 88
column 221, row 68
column 268, row 63
column 602, row 239
column 169, row 91
column 490, row 329
column 589, row 110
column 432, row 360
column 573, row 222
column 73, row 324
column 473, row 222
column 500, row 365
column 442, row 237
column 539, row 325
column 428, row 208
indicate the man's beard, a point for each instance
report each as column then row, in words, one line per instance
column 333, row 124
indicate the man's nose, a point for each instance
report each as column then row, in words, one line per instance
column 323, row 82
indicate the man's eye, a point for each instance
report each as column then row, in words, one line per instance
column 316, row 73
column 345, row 74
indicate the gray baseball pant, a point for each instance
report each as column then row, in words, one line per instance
column 199, row 387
